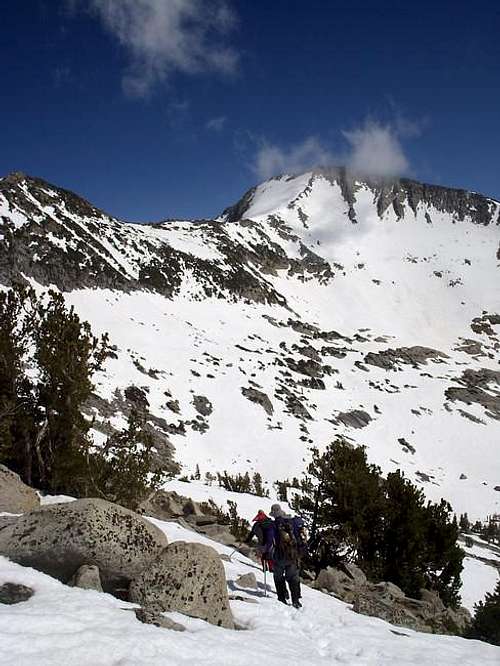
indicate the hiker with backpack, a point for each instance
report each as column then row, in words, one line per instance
column 281, row 543
column 289, row 547
column 263, row 529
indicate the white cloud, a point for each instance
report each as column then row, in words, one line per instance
column 166, row 36
column 216, row 124
column 272, row 160
column 376, row 150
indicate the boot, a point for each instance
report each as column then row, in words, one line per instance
column 281, row 591
column 295, row 592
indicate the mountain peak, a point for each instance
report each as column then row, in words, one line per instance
column 330, row 186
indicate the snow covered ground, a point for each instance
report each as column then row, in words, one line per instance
column 60, row 626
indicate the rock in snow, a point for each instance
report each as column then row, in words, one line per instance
column 87, row 577
column 12, row 593
column 59, row 538
column 247, row 580
column 186, row 577
column 16, row 496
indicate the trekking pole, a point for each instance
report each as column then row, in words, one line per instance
column 264, row 567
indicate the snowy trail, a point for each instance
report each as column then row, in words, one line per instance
column 68, row 626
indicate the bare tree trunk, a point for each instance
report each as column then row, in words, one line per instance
column 38, row 440
column 28, row 462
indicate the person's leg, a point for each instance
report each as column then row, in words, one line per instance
column 279, row 580
column 293, row 580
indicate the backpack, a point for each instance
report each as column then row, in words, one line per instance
column 265, row 534
column 291, row 538
column 300, row 534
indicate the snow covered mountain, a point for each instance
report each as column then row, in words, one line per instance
column 320, row 304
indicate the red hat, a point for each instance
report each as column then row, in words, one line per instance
column 260, row 516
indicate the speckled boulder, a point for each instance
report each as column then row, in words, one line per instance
column 59, row 538
column 87, row 577
column 188, row 578
column 16, row 496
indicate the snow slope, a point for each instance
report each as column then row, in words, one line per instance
column 62, row 625
column 319, row 305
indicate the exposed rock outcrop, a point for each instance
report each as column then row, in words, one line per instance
column 260, row 398
column 389, row 359
column 357, row 418
column 388, row 602
column 480, row 387
column 16, row 496
column 169, row 505
column 202, row 405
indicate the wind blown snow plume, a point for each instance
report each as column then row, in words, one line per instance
column 271, row 159
column 163, row 37
column 376, row 150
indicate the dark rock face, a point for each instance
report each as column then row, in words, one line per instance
column 357, row 418
column 113, row 252
column 188, row 578
column 260, row 398
column 202, row 405
column 480, row 387
column 59, row 538
column 415, row 356
column 13, row 593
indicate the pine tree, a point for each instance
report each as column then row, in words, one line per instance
column 239, row 483
column 443, row 558
column 281, row 490
column 47, row 359
column 121, row 471
column 341, row 500
column 381, row 524
column 403, row 534
column 464, row 522
column 258, row 488
column 18, row 409
column 486, row 623
column 67, row 356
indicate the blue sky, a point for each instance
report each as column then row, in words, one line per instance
column 173, row 108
